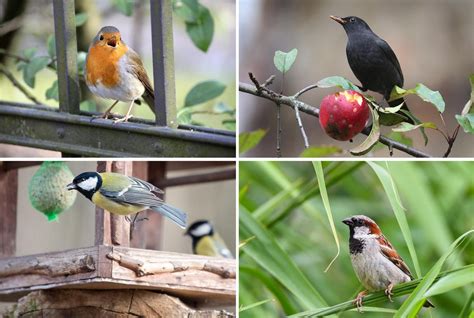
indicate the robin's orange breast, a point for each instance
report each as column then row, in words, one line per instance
column 103, row 65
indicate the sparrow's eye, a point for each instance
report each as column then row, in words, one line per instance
column 352, row 19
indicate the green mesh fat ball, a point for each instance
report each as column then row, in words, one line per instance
column 47, row 189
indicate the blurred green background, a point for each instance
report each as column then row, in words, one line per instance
column 283, row 199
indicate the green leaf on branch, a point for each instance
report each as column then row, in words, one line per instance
column 88, row 105
column 51, row 44
column 201, row 31
column 184, row 116
column 337, row 81
column 229, row 124
column 204, row 91
column 426, row 94
column 124, row 6
column 249, row 140
column 35, row 65
column 404, row 127
column 29, row 53
column 373, row 137
column 322, row 151
column 284, row 61
column 53, row 92
column 223, row 108
column 81, row 18
column 81, row 61
column 466, row 122
column 187, row 10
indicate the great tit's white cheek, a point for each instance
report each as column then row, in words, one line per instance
column 88, row 184
column 201, row 230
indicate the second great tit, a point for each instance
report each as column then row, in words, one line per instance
column 124, row 195
column 206, row 241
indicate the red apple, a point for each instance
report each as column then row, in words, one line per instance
column 344, row 114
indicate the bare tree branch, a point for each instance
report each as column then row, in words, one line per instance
column 18, row 85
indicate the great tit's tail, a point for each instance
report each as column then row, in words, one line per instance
column 176, row 215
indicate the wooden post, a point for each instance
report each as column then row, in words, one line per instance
column 120, row 227
column 138, row 237
column 156, row 174
column 8, row 199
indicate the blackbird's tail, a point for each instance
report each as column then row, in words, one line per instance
column 397, row 102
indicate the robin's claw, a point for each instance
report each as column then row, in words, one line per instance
column 124, row 119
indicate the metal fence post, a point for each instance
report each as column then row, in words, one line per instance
column 163, row 62
column 66, row 52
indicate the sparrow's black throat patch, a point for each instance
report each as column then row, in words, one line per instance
column 355, row 245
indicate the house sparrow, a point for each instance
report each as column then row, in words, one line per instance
column 376, row 263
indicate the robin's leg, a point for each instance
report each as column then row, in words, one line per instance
column 125, row 119
column 388, row 291
column 107, row 112
column 358, row 300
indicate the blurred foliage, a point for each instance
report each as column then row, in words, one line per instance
column 289, row 241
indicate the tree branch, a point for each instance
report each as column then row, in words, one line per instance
column 18, row 85
column 313, row 111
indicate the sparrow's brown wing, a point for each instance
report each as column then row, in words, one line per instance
column 389, row 252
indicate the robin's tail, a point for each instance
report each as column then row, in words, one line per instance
column 149, row 97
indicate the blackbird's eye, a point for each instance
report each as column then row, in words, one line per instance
column 352, row 19
column 101, row 37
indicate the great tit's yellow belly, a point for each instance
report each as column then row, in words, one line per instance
column 206, row 246
column 114, row 207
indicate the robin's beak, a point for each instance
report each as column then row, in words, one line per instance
column 112, row 41
column 339, row 20
column 71, row 186
column 348, row 222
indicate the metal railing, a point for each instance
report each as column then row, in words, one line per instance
column 72, row 131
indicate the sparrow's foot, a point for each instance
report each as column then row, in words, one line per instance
column 358, row 300
column 124, row 119
column 388, row 292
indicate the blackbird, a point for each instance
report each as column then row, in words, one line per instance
column 372, row 60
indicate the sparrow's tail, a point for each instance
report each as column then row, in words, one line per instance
column 176, row 215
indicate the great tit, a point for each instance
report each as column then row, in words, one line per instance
column 206, row 241
column 124, row 195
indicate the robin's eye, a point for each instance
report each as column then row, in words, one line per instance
column 101, row 37
column 352, row 19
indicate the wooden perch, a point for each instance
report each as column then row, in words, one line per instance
column 142, row 268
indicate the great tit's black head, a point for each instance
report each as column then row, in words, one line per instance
column 86, row 183
column 351, row 24
column 362, row 223
column 200, row 229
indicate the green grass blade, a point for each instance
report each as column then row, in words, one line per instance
column 452, row 281
column 394, row 199
column 412, row 304
column 265, row 250
column 466, row 310
column 318, row 168
column 258, row 303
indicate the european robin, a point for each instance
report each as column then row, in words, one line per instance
column 115, row 71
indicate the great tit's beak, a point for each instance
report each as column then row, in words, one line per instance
column 348, row 222
column 71, row 186
column 339, row 20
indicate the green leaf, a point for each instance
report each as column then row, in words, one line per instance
column 466, row 122
column 81, row 18
column 29, row 53
column 322, row 151
column 204, row 91
column 187, row 10
column 284, row 61
column 412, row 304
column 81, row 61
column 51, row 44
column 259, row 303
column 88, row 105
column 223, row 108
column 266, row 251
column 184, row 116
column 229, row 124
column 400, row 137
column 318, row 169
column 451, row 281
column 426, row 94
column 34, row 66
column 337, row 81
column 404, row 127
column 124, row 6
column 373, row 137
column 399, row 211
column 52, row 92
column 201, row 31
column 249, row 140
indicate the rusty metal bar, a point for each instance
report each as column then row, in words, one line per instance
column 161, row 13
column 46, row 128
column 199, row 178
column 66, row 52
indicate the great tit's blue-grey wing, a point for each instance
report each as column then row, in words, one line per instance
column 140, row 192
column 222, row 248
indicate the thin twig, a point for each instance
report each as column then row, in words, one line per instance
column 304, row 90
column 451, row 141
column 300, row 125
column 313, row 111
column 278, row 131
column 269, row 81
column 18, row 85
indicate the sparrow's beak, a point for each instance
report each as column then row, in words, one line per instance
column 339, row 20
column 348, row 222
column 71, row 186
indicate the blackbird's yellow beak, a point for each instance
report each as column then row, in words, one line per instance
column 338, row 19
